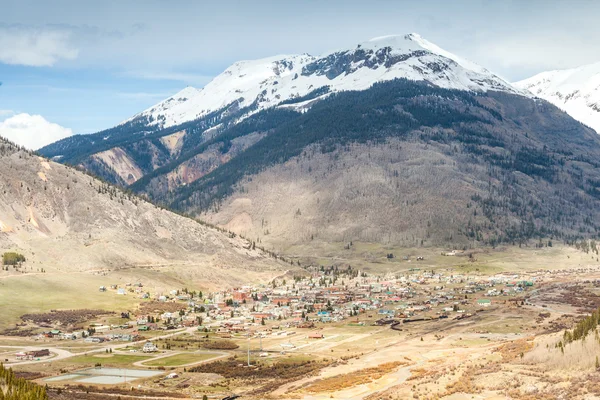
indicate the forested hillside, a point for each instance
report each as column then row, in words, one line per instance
column 172, row 138
column 518, row 168
column 491, row 167
column 14, row 388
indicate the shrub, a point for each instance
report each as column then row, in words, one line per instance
column 12, row 258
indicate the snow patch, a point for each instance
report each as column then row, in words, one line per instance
column 576, row 91
column 270, row 81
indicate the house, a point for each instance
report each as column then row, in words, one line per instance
column 94, row 339
column 237, row 328
column 38, row 353
column 149, row 347
column 189, row 323
column 484, row 302
column 102, row 328
column 72, row 335
column 121, row 291
column 102, row 288
column 240, row 296
column 259, row 316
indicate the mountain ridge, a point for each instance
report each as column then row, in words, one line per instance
column 277, row 68
column 293, row 82
column 528, row 169
column 574, row 90
column 68, row 221
column 254, row 85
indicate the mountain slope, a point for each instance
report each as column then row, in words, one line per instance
column 135, row 148
column 576, row 91
column 405, row 163
column 270, row 81
column 395, row 141
column 66, row 221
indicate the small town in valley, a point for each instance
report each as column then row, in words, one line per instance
column 308, row 200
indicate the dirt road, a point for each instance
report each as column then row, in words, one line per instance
column 61, row 354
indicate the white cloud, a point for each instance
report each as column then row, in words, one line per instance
column 20, row 45
column 32, row 131
column 520, row 55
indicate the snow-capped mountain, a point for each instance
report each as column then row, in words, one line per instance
column 576, row 91
column 269, row 81
column 234, row 150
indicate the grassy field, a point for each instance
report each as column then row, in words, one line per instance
column 372, row 257
column 117, row 360
column 21, row 294
column 180, row 359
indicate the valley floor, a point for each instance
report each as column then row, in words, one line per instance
column 508, row 349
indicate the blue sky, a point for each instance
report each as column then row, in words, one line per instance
column 86, row 66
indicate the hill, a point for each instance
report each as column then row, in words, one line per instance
column 64, row 221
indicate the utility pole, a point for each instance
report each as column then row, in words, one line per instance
column 248, row 349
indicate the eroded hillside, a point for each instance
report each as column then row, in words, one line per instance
column 65, row 221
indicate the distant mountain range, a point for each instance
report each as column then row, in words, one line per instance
column 392, row 141
column 576, row 91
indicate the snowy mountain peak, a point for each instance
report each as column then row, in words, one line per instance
column 414, row 41
column 267, row 82
column 395, row 41
column 575, row 90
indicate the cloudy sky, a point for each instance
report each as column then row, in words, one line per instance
column 72, row 66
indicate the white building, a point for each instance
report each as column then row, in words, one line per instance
column 150, row 347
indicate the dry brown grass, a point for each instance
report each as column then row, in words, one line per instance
column 464, row 384
column 580, row 355
column 421, row 373
column 514, row 349
column 351, row 379
column 518, row 395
